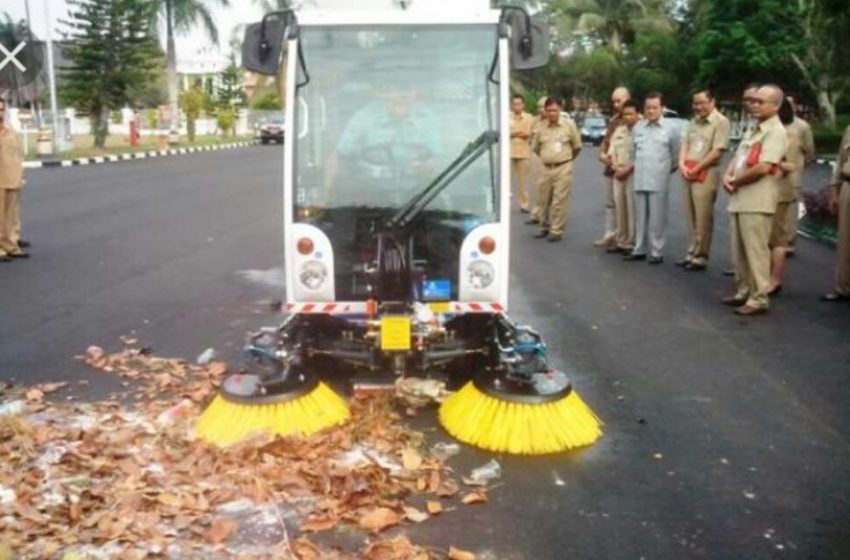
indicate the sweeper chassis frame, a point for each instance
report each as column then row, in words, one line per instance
column 501, row 358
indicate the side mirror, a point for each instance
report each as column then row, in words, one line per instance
column 262, row 46
column 529, row 40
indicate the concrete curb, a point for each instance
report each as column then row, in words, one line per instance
column 135, row 155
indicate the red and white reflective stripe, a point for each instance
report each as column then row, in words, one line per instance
column 342, row 307
column 477, row 307
column 359, row 307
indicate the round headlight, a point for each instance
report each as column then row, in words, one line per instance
column 313, row 274
column 480, row 274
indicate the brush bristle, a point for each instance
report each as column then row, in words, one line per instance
column 226, row 423
column 523, row 429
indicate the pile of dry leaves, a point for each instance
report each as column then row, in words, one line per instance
column 112, row 480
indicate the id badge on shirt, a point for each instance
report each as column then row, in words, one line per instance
column 558, row 147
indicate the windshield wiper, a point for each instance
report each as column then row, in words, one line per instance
column 412, row 208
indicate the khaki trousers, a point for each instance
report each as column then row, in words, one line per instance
column 842, row 268
column 610, row 209
column 699, row 209
column 624, row 205
column 9, row 221
column 793, row 217
column 751, row 254
column 553, row 196
column 519, row 170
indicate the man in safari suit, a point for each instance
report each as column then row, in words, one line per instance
column 11, row 183
column 703, row 144
column 752, row 181
column 840, row 202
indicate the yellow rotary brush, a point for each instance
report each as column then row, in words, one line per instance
column 540, row 415
column 246, row 405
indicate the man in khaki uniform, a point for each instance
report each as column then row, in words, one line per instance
column 539, row 121
column 703, row 145
column 557, row 144
column 840, row 202
column 11, row 182
column 521, row 125
column 801, row 156
column 608, row 239
column 622, row 147
column 752, row 182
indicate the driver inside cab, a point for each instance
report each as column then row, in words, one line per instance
column 391, row 145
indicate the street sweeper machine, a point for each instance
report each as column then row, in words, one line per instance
column 396, row 214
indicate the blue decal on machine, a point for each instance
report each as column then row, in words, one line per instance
column 437, row 290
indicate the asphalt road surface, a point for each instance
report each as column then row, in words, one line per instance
column 725, row 438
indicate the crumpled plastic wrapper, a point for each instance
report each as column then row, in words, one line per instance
column 419, row 392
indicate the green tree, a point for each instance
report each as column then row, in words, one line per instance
column 111, row 50
column 180, row 16
column 267, row 102
column 230, row 91
column 823, row 57
column 611, row 23
column 739, row 41
column 192, row 103
column 225, row 118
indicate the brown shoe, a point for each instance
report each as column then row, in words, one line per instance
column 733, row 301
column 605, row 242
column 748, row 311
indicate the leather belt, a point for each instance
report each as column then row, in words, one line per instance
column 559, row 164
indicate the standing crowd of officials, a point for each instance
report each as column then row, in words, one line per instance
column 641, row 151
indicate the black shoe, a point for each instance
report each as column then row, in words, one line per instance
column 20, row 255
column 833, row 297
column 789, row 253
column 614, row 250
column 532, row 222
column 555, row 238
column 23, row 244
column 695, row 267
column 733, row 301
column 541, row 234
column 656, row 260
column 683, row 263
column 775, row 291
column 5, row 258
column 524, row 210
column 633, row 257
column 729, row 272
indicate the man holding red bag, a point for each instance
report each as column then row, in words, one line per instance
column 753, row 185
column 703, row 145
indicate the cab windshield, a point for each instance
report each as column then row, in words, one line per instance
column 385, row 109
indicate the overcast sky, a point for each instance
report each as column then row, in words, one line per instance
column 240, row 11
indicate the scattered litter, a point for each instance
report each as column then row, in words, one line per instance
column 7, row 496
column 361, row 456
column 556, row 478
column 658, row 456
column 205, row 357
column 442, row 450
column 12, row 408
column 486, row 472
column 724, row 461
column 749, row 495
column 420, row 392
column 182, row 410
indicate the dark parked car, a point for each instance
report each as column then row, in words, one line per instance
column 271, row 129
column 593, row 130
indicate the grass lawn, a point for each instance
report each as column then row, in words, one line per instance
column 120, row 144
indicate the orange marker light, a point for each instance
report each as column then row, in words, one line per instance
column 487, row 245
column 305, row 246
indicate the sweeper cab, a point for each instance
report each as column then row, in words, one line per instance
column 396, row 203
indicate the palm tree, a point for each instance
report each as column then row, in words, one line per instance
column 610, row 21
column 11, row 33
column 180, row 16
